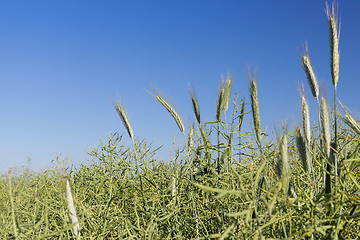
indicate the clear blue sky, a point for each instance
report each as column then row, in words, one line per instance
column 63, row 62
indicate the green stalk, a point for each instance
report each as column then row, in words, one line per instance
column 139, row 175
column 241, row 118
column 336, row 141
column 320, row 144
column 334, row 64
column 218, row 142
column 12, row 207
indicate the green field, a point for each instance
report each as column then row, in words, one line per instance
column 223, row 181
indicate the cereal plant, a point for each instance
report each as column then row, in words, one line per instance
column 223, row 182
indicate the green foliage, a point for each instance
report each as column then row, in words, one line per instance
column 244, row 186
column 122, row 193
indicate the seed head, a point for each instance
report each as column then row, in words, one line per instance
column 305, row 117
column 123, row 116
column 334, row 42
column 220, row 101
column 306, row 64
column 352, row 123
column 171, row 110
column 227, row 91
column 191, row 138
column 195, row 104
column 303, row 149
column 283, row 161
column 72, row 211
column 255, row 105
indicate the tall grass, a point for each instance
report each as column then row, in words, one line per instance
column 249, row 187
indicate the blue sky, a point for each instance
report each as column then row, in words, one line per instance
column 63, row 62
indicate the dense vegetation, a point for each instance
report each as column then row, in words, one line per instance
column 225, row 182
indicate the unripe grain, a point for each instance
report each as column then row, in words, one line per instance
column 313, row 83
column 123, row 116
column 255, row 106
column 305, row 117
column 334, row 43
column 72, row 211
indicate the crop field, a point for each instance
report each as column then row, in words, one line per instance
column 223, row 182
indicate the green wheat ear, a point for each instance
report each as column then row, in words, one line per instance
column 227, row 91
column 352, row 123
column 195, row 104
column 220, row 101
column 308, row 69
column 349, row 120
column 171, row 110
column 223, row 98
column 334, row 43
column 190, row 142
column 123, row 116
column 304, row 153
column 255, row 104
column 72, row 211
column 283, row 166
column 242, row 113
column 305, row 115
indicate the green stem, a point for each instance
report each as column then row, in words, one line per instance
column 218, row 143
column 320, row 144
column 12, row 207
column 241, row 118
column 336, row 141
column 137, row 149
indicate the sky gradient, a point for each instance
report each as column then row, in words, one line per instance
column 63, row 62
